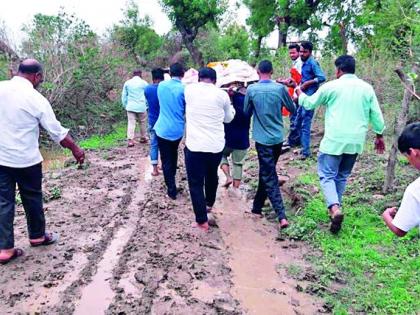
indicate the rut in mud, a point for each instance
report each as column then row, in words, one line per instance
column 125, row 248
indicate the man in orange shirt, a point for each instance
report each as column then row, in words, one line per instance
column 295, row 74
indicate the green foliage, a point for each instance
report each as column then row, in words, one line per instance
column 191, row 16
column 137, row 35
column 110, row 140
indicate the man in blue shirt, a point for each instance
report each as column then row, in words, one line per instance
column 169, row 127
column 237, row 141
column 134, row 103
column 150, row 92
column 312, row 77
column 264, row 100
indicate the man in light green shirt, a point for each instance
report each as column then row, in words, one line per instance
column 351, row 105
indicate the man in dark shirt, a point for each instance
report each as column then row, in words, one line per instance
column 312, row 77
column 150, row 92
column 264, row 100
column 237, row 141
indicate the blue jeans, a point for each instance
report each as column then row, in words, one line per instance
column 333, row 171
column 302, row 126
column 268, row 181
column 154, row 148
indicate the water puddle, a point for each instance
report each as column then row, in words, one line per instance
column 255, row 259
column 98, row 294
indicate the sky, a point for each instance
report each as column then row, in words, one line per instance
column 99, row 14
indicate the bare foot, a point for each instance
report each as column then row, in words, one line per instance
column 143, row 140
column 228, row 182
column 130, row 143
column 203, row 227
column 6, row 253
column 283, row 224
column 155, row 171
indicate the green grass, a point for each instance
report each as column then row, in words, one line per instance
column 381, row 273
column 110, row 140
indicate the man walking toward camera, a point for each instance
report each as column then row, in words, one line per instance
column 22, row 110
column 312, row 77
column 134, row 103
column 351, row 106
column 264, row 100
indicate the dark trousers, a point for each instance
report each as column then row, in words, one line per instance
column 29, row 180
column 202, row 180
column 294, row 133
column 268, row 182
column 169, row 157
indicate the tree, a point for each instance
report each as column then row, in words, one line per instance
column 137, row 36
column 189, row 16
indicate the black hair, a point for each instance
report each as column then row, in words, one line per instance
column 207, row 73
column 346, row 63
column 409, row 138
column 307, row 45
column 176, row 70
column 31, row 68
column 265, row 66
column 158, row 74
column 294, row 46
column 137, row 72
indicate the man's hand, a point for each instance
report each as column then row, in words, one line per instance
column 391, row 212
column 78, row 153
column 305, row 85
column 379, row 144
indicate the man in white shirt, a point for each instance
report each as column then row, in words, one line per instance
column 22, row 110
column 408, row 215
column 207, row 108
column 134, row 102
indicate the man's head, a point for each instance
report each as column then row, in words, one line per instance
column 265, row 69
column 409, row 143
column 207, row 74
column 137, row 73
column 344, row 64
column 31, row 70
column 176, row 70
column 158, row 75
column 294, row 51
column 305, row 50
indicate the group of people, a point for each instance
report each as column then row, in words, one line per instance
column 216, row 126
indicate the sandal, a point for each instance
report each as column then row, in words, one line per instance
column 17, row 252
column 49, row 238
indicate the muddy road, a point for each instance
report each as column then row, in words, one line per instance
column 127, row 249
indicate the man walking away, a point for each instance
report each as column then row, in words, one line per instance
column 351, row 105
column 134, row 103
column 150, row 92
column 408, row 215
column 264, row 100
column 312, row 77
column 22, row 110
column 207, row 108
column 169, row 127
column 237, row 142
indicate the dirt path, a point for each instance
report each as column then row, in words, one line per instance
column 127, row 249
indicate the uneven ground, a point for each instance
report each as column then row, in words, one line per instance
column 126, row 249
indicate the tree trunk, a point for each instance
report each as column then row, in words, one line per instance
column 195, row 53
column 283, row 27
column 400, row 123
column 258, row 48
column 343, row 36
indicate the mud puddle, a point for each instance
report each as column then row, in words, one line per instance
column 257, row 260
column 98, row 294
